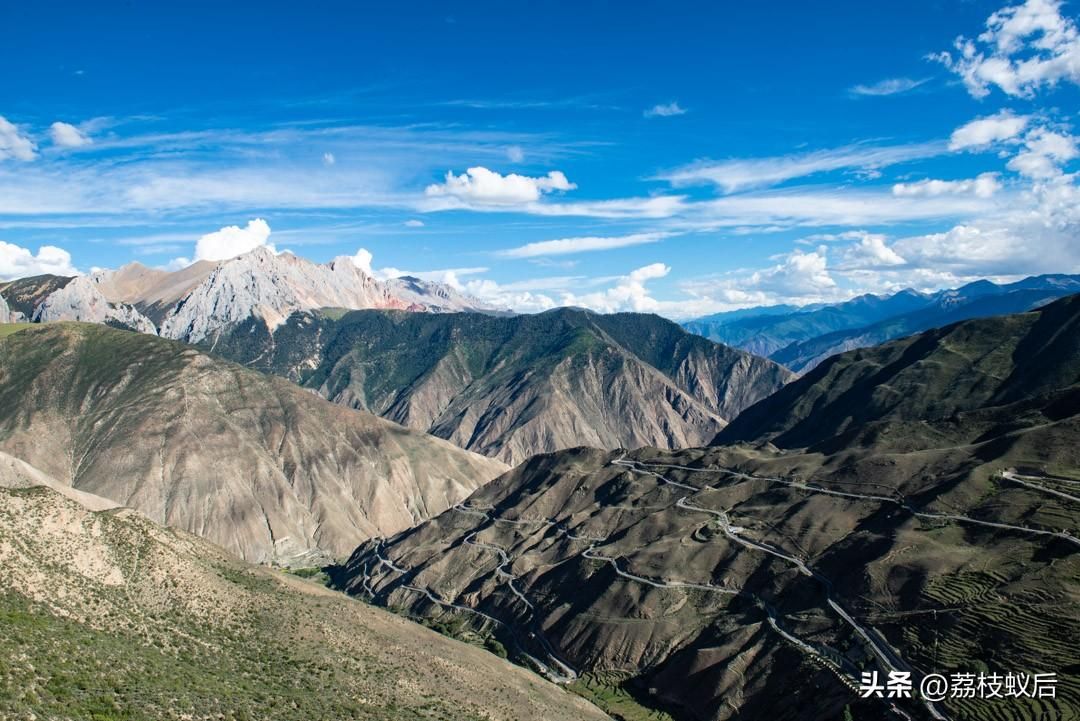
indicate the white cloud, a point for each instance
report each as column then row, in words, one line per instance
column 328, row 159
column 1044, row 153
column 362, row 260
column 1035, row 235
column 1024, row 48
column 515, row 154
column 740, row 174
column 565, row 246
column 363, row 257
column 983, row 186
column 838, row 206
column 19, row 262
column 890, row 86
column 799, row 277
column 665, row 110
column 658, row 206
column 414, row 223
column 65, row 135
column 628, row 294
column 984, row 131
column 13, row 144
column 869, row 252
column 481, row 186
column 233, row 240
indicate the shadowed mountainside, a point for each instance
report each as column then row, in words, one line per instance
column 511, row 387
column 268, row 470
column 749, row 581
column 1007, row 365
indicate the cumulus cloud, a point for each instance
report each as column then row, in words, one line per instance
column 65, row 135
column 565, row 246
column 19, row 262
column 799, row 277
column 362, row 260
column 984, row 131
column 328, row 159
column 363, row 257
column 13, row 144
column 628, row 294
column 890, row 86
column 1044, row 153
column 232, row 240
column 983, row 186
column 665, row 110
column 1024, row 48
column 870, row 252
column 481, row 186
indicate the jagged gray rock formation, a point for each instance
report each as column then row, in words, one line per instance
column 82, row 300
column 198, row 302
column 6, row 314
column 271, row 287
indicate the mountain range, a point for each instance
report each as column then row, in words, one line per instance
column 800, row 338
column 911, row 507
column 513, row 386
column 269, row 471
column 107, row 615
column 196, row 303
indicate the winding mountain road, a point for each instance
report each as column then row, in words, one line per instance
column 878, row 646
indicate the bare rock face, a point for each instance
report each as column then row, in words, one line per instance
column 82, row 300
column 6, row 314
column 198, row 302
column 264, row 468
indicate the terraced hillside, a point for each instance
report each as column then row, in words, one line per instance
column 511, row 387
column 110, row 616
column 753, row 582
column 270, row 471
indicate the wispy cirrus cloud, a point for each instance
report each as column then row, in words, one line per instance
column 888, row 86
column 746, row 173
column 583, row 244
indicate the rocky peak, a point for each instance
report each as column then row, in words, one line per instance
column 83, row 300
column 201, row 300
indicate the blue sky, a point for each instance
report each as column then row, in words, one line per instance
column 680, row 158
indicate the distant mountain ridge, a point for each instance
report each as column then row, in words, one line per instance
column 800, row 338
column 198, row 302
column 930, row 385
column 513, row 386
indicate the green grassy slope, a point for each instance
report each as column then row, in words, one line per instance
column 108, row 616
